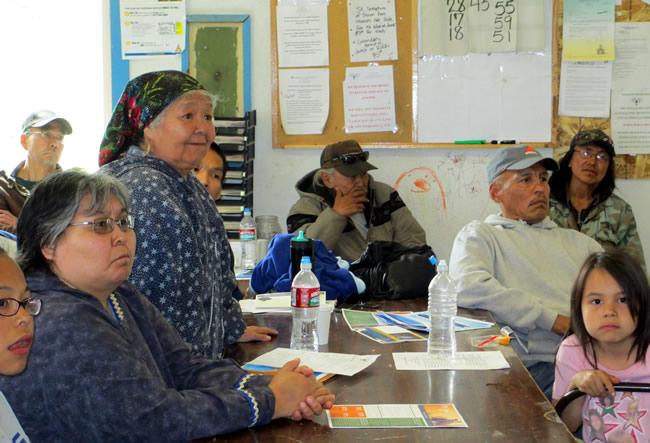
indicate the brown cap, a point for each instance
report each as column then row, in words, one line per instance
column 346, row 157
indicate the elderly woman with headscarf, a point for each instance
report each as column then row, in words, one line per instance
column 160, row 130
column 582, row 195
column 105, row 364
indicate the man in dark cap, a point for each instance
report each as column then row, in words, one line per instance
column 518, row 264
column 42, row 138
column 344, row 207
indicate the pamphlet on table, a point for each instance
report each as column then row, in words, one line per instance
column 395, row 416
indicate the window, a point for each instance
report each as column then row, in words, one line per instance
column 53, row 60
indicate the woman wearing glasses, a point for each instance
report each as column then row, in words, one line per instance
column 160, row 130
column 105, row 364
column 16, row 332
column 582, row 195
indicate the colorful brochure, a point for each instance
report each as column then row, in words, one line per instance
column 395, row 416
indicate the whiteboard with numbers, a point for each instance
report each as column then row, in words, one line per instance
column 479, row 76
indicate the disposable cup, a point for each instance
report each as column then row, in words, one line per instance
column 323, row 323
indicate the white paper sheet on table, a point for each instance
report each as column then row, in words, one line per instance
column 331, row 362
column 423, row 361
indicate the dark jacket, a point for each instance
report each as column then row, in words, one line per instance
column 92, row 377
column 388, row 218
column 12, row 195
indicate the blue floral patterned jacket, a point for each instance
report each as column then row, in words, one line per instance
column 182, row 261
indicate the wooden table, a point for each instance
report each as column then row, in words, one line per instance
column 498, row 406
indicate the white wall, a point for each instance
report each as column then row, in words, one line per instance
column 458, row 175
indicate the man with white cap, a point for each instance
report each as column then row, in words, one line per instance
column 344, row 207
column 519, row 265
column 42, row 138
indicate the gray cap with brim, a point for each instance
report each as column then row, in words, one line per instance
column 516, row 159
column 42, row 118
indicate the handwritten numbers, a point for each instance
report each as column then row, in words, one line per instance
column 456, row 10
column 503, row 13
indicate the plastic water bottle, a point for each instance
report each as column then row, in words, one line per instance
column 305, row 299
column 442, row 309
column 248, row 237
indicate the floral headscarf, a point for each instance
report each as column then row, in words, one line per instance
column 143, row 99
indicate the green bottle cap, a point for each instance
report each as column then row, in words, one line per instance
column 300, row 237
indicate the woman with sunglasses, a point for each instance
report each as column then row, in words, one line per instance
column 105, row 364
column 17, row 307
column 582, row 195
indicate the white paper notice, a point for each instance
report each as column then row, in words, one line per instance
column 302, row 35
column 304, row 100
column 632, row 64
column 369, row 99
column 152, row 27
column 585, row 89
column 330, row 362
column 631, row 121
column 372, row 30
column 423, row 361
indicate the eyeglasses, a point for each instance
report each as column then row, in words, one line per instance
column 106, row 225
column 585, row 154
column 348, row 159
column 56, row 136
column 10, row 306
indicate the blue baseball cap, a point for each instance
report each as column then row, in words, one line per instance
column 515, row 159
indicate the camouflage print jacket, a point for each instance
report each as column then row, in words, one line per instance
column 610, row 222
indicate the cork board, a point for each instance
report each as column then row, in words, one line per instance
column 627, row 166
column 405, row 17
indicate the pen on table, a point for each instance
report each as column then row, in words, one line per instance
column 486, row 341
column 469, row 142
column 508, row 142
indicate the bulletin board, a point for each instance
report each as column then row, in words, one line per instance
column 627, row 166
column 405, row 80
column 405, row 16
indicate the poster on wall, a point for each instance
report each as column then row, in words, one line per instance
column 152, row 28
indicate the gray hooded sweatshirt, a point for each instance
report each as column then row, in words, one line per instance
column 522, row 274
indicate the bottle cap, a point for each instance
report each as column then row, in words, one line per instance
column 305, row 260
column 300, row 237
column 247, row 211
column 433, row 260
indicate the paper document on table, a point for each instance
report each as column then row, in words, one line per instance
column 423, row 361
column 273, row 301
column 342, row 364
column 395, row 416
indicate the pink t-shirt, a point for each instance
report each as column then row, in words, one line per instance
column 623, row 418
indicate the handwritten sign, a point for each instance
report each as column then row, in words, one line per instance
column 372, row 30
column 480, row 26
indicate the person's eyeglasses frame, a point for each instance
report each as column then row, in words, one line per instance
column 125, row 223
column 31, row 305
column 49, row 135
column 351, row 158
column 585, row 153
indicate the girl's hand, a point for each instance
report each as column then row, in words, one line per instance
column 594, row 382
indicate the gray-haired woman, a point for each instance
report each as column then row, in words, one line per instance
column 105, row 364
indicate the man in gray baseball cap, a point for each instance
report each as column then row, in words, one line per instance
column 42, row 137
column 343, row 206
column 518, row 264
